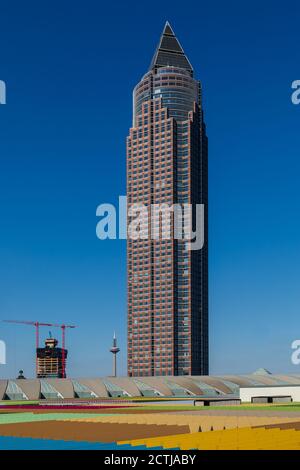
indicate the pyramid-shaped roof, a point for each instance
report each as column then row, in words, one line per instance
column 169, row 52
column 262, row 371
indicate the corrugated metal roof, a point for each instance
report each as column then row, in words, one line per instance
column 166, row 386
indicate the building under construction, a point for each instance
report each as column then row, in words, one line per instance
column 51, row 360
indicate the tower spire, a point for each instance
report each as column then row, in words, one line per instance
column 114, row 350
column 168, row 30
column 169, row 52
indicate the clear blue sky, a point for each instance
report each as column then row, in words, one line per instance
column 70, row 68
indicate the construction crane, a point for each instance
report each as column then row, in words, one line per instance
column 37, row 327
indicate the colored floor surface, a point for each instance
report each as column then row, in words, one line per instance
column 205, row 429
column 196, row 423
column 233, row 439
column 17, row 443
column 295, row 426
column 28, row 417
column 92, row 432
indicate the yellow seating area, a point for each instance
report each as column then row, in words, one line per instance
column 196, row 423
column 232, row 439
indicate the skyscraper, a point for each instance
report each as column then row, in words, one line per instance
column 167, row 164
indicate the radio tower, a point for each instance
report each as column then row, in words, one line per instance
column 114, row 350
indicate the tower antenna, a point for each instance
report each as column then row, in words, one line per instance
column 114, row 350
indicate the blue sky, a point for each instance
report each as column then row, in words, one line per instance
column 70, row 70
